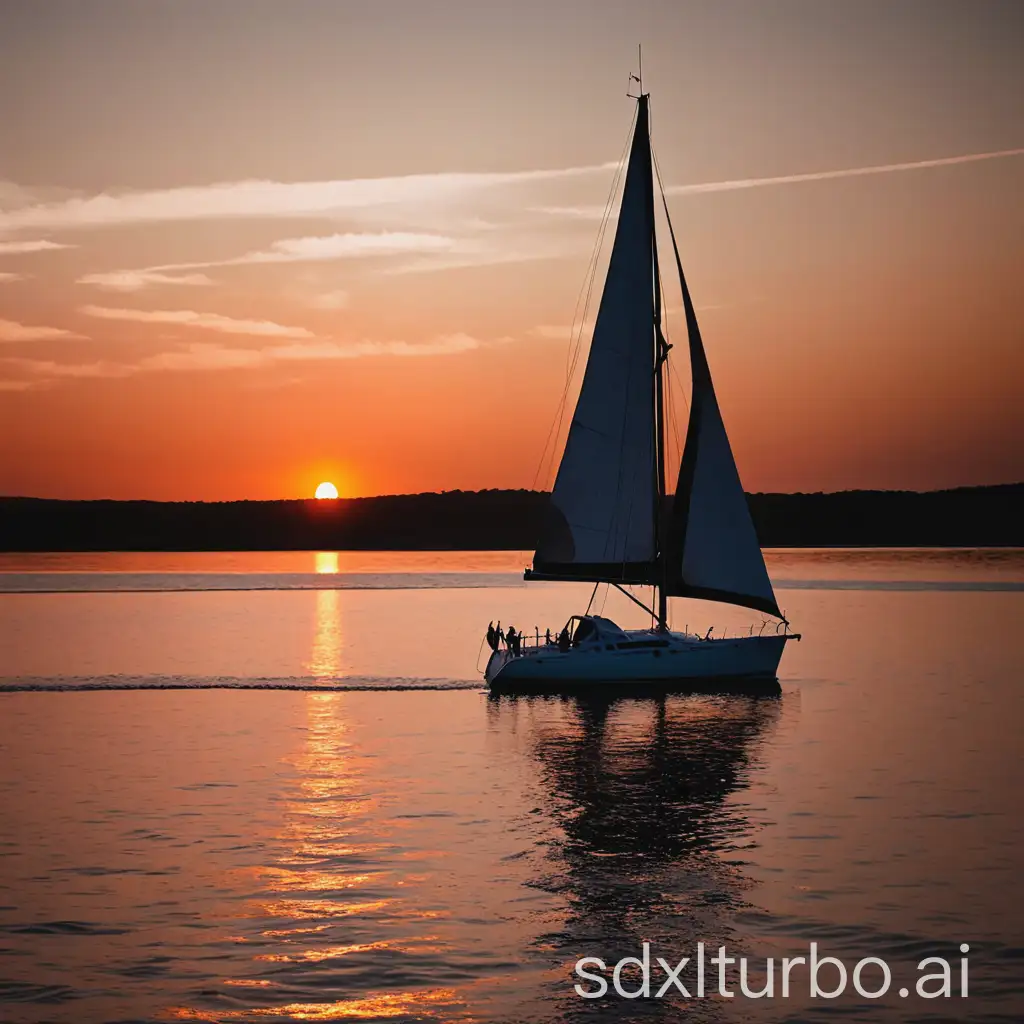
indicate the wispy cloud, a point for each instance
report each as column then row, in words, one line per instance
column 471, row 255
column 30, row 245
column 449, row 344
column 309, row 249
column 265, row 199
column 137, row 280
column 190, row 318
column 202, row 356
column 594, row 212
column 319, row 248
column 348, row 246
column 585, row 212
column 562, row 332
column 271, row 199
column 207, row 356
column 45, row 370
column 6, row 277
column 848, row 172
column 10, row 330
column 431, row 252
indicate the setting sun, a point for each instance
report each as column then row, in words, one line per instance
column 326, row 490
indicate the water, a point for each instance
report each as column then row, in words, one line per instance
column 298, row 804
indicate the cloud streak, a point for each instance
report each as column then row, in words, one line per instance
column 11, row 330
column 272, row 199
column 137, row 280
column 208, row 356
column 30, row 245
column 562, row 332
column 322, row 248
column 594, row 212
column 848, row 172
column 190, row 318
column 309, row 249
column 268, row 199
column 348, row 246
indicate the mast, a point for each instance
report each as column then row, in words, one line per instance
column 661, row 349
column 660, row 357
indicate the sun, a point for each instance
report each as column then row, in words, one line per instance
column 326, row 490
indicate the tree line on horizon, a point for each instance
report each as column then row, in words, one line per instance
column 491, row 520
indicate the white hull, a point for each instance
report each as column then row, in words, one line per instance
column 677, row 659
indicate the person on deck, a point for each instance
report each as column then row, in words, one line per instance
column 492, row 637
column 512, row 640
column 563, row 639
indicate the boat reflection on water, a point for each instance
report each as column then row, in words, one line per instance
column 643, row 795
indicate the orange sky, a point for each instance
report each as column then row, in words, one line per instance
column 248, row 248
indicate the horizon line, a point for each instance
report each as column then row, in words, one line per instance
column 484, row 490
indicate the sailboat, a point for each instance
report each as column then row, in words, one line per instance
column 609, row 518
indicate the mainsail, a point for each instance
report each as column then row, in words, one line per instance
column 603, row 505
column 606, row 502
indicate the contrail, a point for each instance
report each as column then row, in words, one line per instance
column 849, row 172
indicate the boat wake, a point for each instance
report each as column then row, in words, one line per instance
column 141, row 582
column 300, row 683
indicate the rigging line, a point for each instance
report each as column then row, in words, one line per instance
column 673, row 387
column 593, row 594
column 575, row 349
column 670, row 423
column 673, row 379
column 681, row 391
column 672, row 234
column 588, row 284
column 676, row 387
column 575, row 339
column 609, row 202
column 668, row 219
column 671, row 416
column 633, row 598
column 573, row 346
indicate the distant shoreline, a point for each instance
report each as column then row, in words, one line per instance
column 493, row 520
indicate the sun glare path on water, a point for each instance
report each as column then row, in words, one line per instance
column 326, row 490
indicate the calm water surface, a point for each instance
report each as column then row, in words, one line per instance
column 367, row 836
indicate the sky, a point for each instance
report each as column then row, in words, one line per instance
column 248, row 246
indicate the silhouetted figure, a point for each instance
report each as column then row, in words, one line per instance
column 492, row 637
column 547, row 636
column 512, row 640
column 563, row 639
